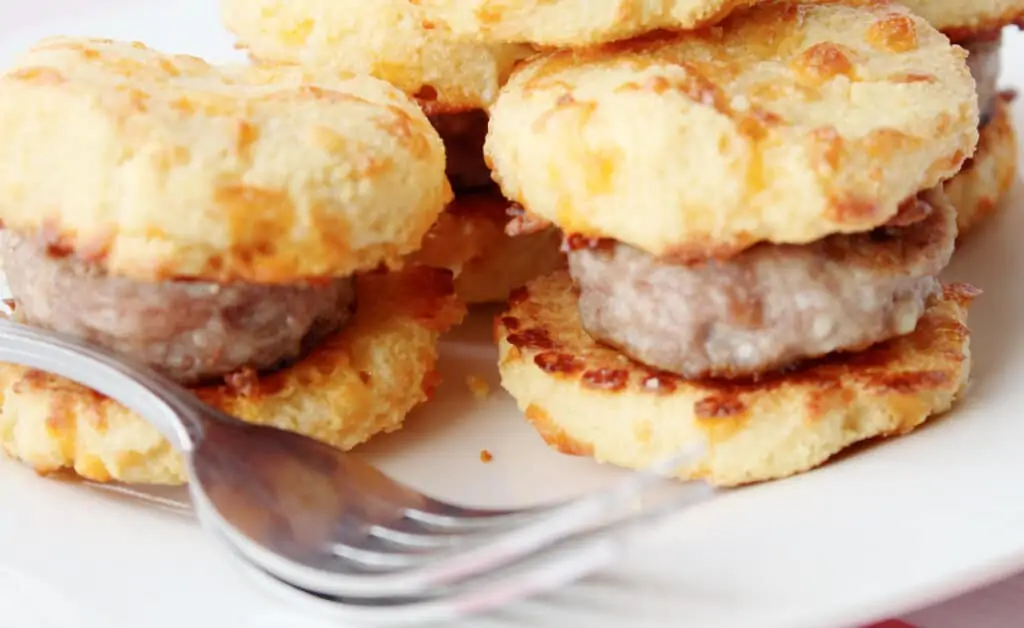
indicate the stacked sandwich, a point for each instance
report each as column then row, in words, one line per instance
column 978, row 26
column 454, row 82
column 755, row 221
column 232, row 228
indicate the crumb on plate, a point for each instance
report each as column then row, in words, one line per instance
column 478, row 386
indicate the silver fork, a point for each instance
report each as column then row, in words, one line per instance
column 321, row 522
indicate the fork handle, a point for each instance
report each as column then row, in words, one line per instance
column 167, row 406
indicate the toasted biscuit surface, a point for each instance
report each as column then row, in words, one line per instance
column 963, row 20
column 571, row 23
column 789, row 123
column 359, row 383
column 389, row 39
column 978, row 189
column 163, row 166
column 469, row 239
column 587, row 399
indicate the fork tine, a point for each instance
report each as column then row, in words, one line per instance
column 438, row 514
column 440, row 526
column 521, row 543
column 411, row 543
column 402, row 539
column 419, row 540
column 444, row 607
column 405, row 544
column 413, row 535
column 567, row 561
column 408, row 543
column 334, row 575
column 442, row 516
column 381, row 561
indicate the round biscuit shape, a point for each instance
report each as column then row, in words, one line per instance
column 162, row 166
column 978, row 190
column 359, row 383
column 587, row 399
column 470, row 240
column 389, row 39
column 963, row 20
column 570, row 23
column 786, row 123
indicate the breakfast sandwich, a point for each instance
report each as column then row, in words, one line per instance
column 454, row 82
column 242, row 230
column 755, row 225
column 978, row 26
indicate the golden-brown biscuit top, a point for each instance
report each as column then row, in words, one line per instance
column 978, row 191
column 786, row 123
column 963, row 20
column 389, row 39
column 571, row 23
column 165, row 166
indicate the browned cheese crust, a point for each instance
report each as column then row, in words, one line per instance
column 966, row 20
column 978, row 190
column 359, row 383
column 588, row 399
column 786, row 123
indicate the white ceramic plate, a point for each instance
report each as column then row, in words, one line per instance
column 892, row 528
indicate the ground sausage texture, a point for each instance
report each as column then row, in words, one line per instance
column 191, row 331
column 770, row 306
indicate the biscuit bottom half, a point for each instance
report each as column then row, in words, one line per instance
column 587, row 399
column 978, row 189
column 469, row 239
column 361, row 382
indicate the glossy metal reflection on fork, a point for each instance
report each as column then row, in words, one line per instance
column 322, row 521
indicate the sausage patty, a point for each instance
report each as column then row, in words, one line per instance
column 984, row 62
column 769, row 306
column 191, row 331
